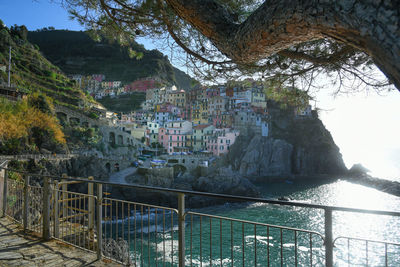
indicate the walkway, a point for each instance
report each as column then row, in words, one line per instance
column 17, row 249
column 119, row 177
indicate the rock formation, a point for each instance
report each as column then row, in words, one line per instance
column 295, row 147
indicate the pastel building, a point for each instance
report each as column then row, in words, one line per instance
column 177, row 98
column 223, row 120
column 162, row 117
column 199, row 112
column 217, row 105
column 200, row 135
column 138, row 131
column 152, row 132
column 221, row 141
column 174, row 136
column 212, row 92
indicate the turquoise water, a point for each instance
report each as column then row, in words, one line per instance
column 219, row 242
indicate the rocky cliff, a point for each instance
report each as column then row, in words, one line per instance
column 295, row 147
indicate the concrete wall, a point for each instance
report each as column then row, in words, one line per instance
column 189, row 161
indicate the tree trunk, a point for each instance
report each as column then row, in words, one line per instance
column 373, row 26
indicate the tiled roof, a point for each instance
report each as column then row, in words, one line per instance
column 201, row 126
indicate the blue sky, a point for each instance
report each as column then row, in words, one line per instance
column 366, row 128
column 36, row 14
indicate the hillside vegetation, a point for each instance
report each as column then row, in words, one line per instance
column 29, row 126
column 123, row 103
column 77, row 53
column 34, row 73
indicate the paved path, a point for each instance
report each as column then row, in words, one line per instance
column 17, row 249
column 119, row 177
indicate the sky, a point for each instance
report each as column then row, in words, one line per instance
column 365, row 127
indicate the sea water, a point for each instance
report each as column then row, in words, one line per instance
column 218, row 242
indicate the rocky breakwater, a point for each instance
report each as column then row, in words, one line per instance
column 358, row 174
column 295, row 148
column 220, row 181
column 212, row 180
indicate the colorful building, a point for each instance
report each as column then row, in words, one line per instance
column 221, row 141
column 174, row 136
column 177, row 98
column 217, row 105
column 200, row 136
column 142, row 85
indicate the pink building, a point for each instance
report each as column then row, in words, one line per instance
column 212, row 92
column 221, row 141
column 173, row 137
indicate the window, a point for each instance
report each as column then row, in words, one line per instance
column 222, row 141
column 162, row 137
column 170, row 138
column 221, row 147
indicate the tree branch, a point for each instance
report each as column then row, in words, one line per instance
column 341, row 55
column 182, row 45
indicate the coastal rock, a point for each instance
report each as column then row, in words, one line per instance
column 82, row 166
column 294, row 147
column 266, row 157
column 226, row 181
column 358, row 170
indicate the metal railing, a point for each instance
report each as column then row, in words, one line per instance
column 38, row 156
column 142, row 234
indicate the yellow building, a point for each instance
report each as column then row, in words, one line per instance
column 199, row 111
column 177, row 98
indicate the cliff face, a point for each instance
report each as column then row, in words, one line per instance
column 295, row 147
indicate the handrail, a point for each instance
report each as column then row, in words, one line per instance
column 222, row 196
column 97, row 202
column 3, row 163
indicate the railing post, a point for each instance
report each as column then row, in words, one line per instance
column 5, row 193
column 181, row 228
column 46, row 208
column 56, row 212
column 25, row 211
column 91, row 205
column 64, row 188
column 328, row 238
column 99, row 218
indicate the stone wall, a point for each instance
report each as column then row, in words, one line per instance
column 189, row 161
column 163, row 177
